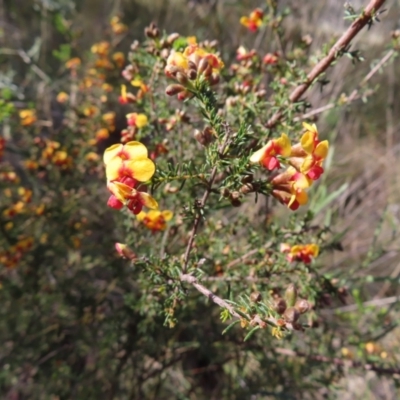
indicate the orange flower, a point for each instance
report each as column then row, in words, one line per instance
column 267, row 155
column 62, row 97
column 155, row 220
column 73, row 63
column 119, row 59
column 117, row 26
column 101, row 48
column 102, row 134
column 28, row 117
column 254, row 20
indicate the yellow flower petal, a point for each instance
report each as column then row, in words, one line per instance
column 120, row 190
column 141, row 170
column 284, row 143
column 307, row 142
column 135, row 150
column 113, row 168
column 141, row 216
column 322, row 149
column 141, row 120
column 148, row 201
column 258, row 156
column 167, row 214
column 111, row 152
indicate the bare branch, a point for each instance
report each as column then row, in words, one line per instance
column 344, row 41
column 338, row 361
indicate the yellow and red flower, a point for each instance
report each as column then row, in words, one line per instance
column 301, row 252
column 254, row 20
column 155, row 220
column 267, row 155
column 137, row 120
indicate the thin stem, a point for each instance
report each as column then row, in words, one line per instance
column 355, row 94
column 254, row 319
column 338, row 361
column 344, row 41
column 203, row 201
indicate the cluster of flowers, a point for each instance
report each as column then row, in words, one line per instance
column 127, row 166
column 304, row 165
column 194, row 63
column 11, row 257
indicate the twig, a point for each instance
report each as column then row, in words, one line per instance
column 333, row 54
column 254, row 320
column 338, row 361
column 355, row 94
column 203, row 201
column 27, row 60
column 213, row 297
column 374, row 303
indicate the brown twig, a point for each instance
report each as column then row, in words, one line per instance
column 203, row 201
column 343, row 43
column 338, row 361
column 254, row 320
column 355, row 94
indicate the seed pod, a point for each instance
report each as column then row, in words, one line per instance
column 174, row 89
column 247, row 179
column 247, row 188
column 255, row 297
column 181, row 78
column 203, row 66
column 302, row 306
column 235, row 195
column 291, row 295
column 172, row 37
column 291, row 315
column 280, row 306
column 236, row 202
column 225, row 192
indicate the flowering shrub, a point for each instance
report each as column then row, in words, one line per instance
column 177, row 175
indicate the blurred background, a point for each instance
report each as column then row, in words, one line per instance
column 70, row 344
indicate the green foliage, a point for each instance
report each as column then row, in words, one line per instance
column 237, row 295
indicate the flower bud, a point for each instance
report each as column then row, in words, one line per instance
column 291, row 315
column 174, row 89
column 181, row 78
column 225, row 192
column 291, row 295
column 247, row 188
column 302, row 306
column 203, row 66
column 172, row 37
column 280, row 306
column 236, row 202
column 124, row 251
column 255, row 297
column 192, row 74
column 235, row 195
